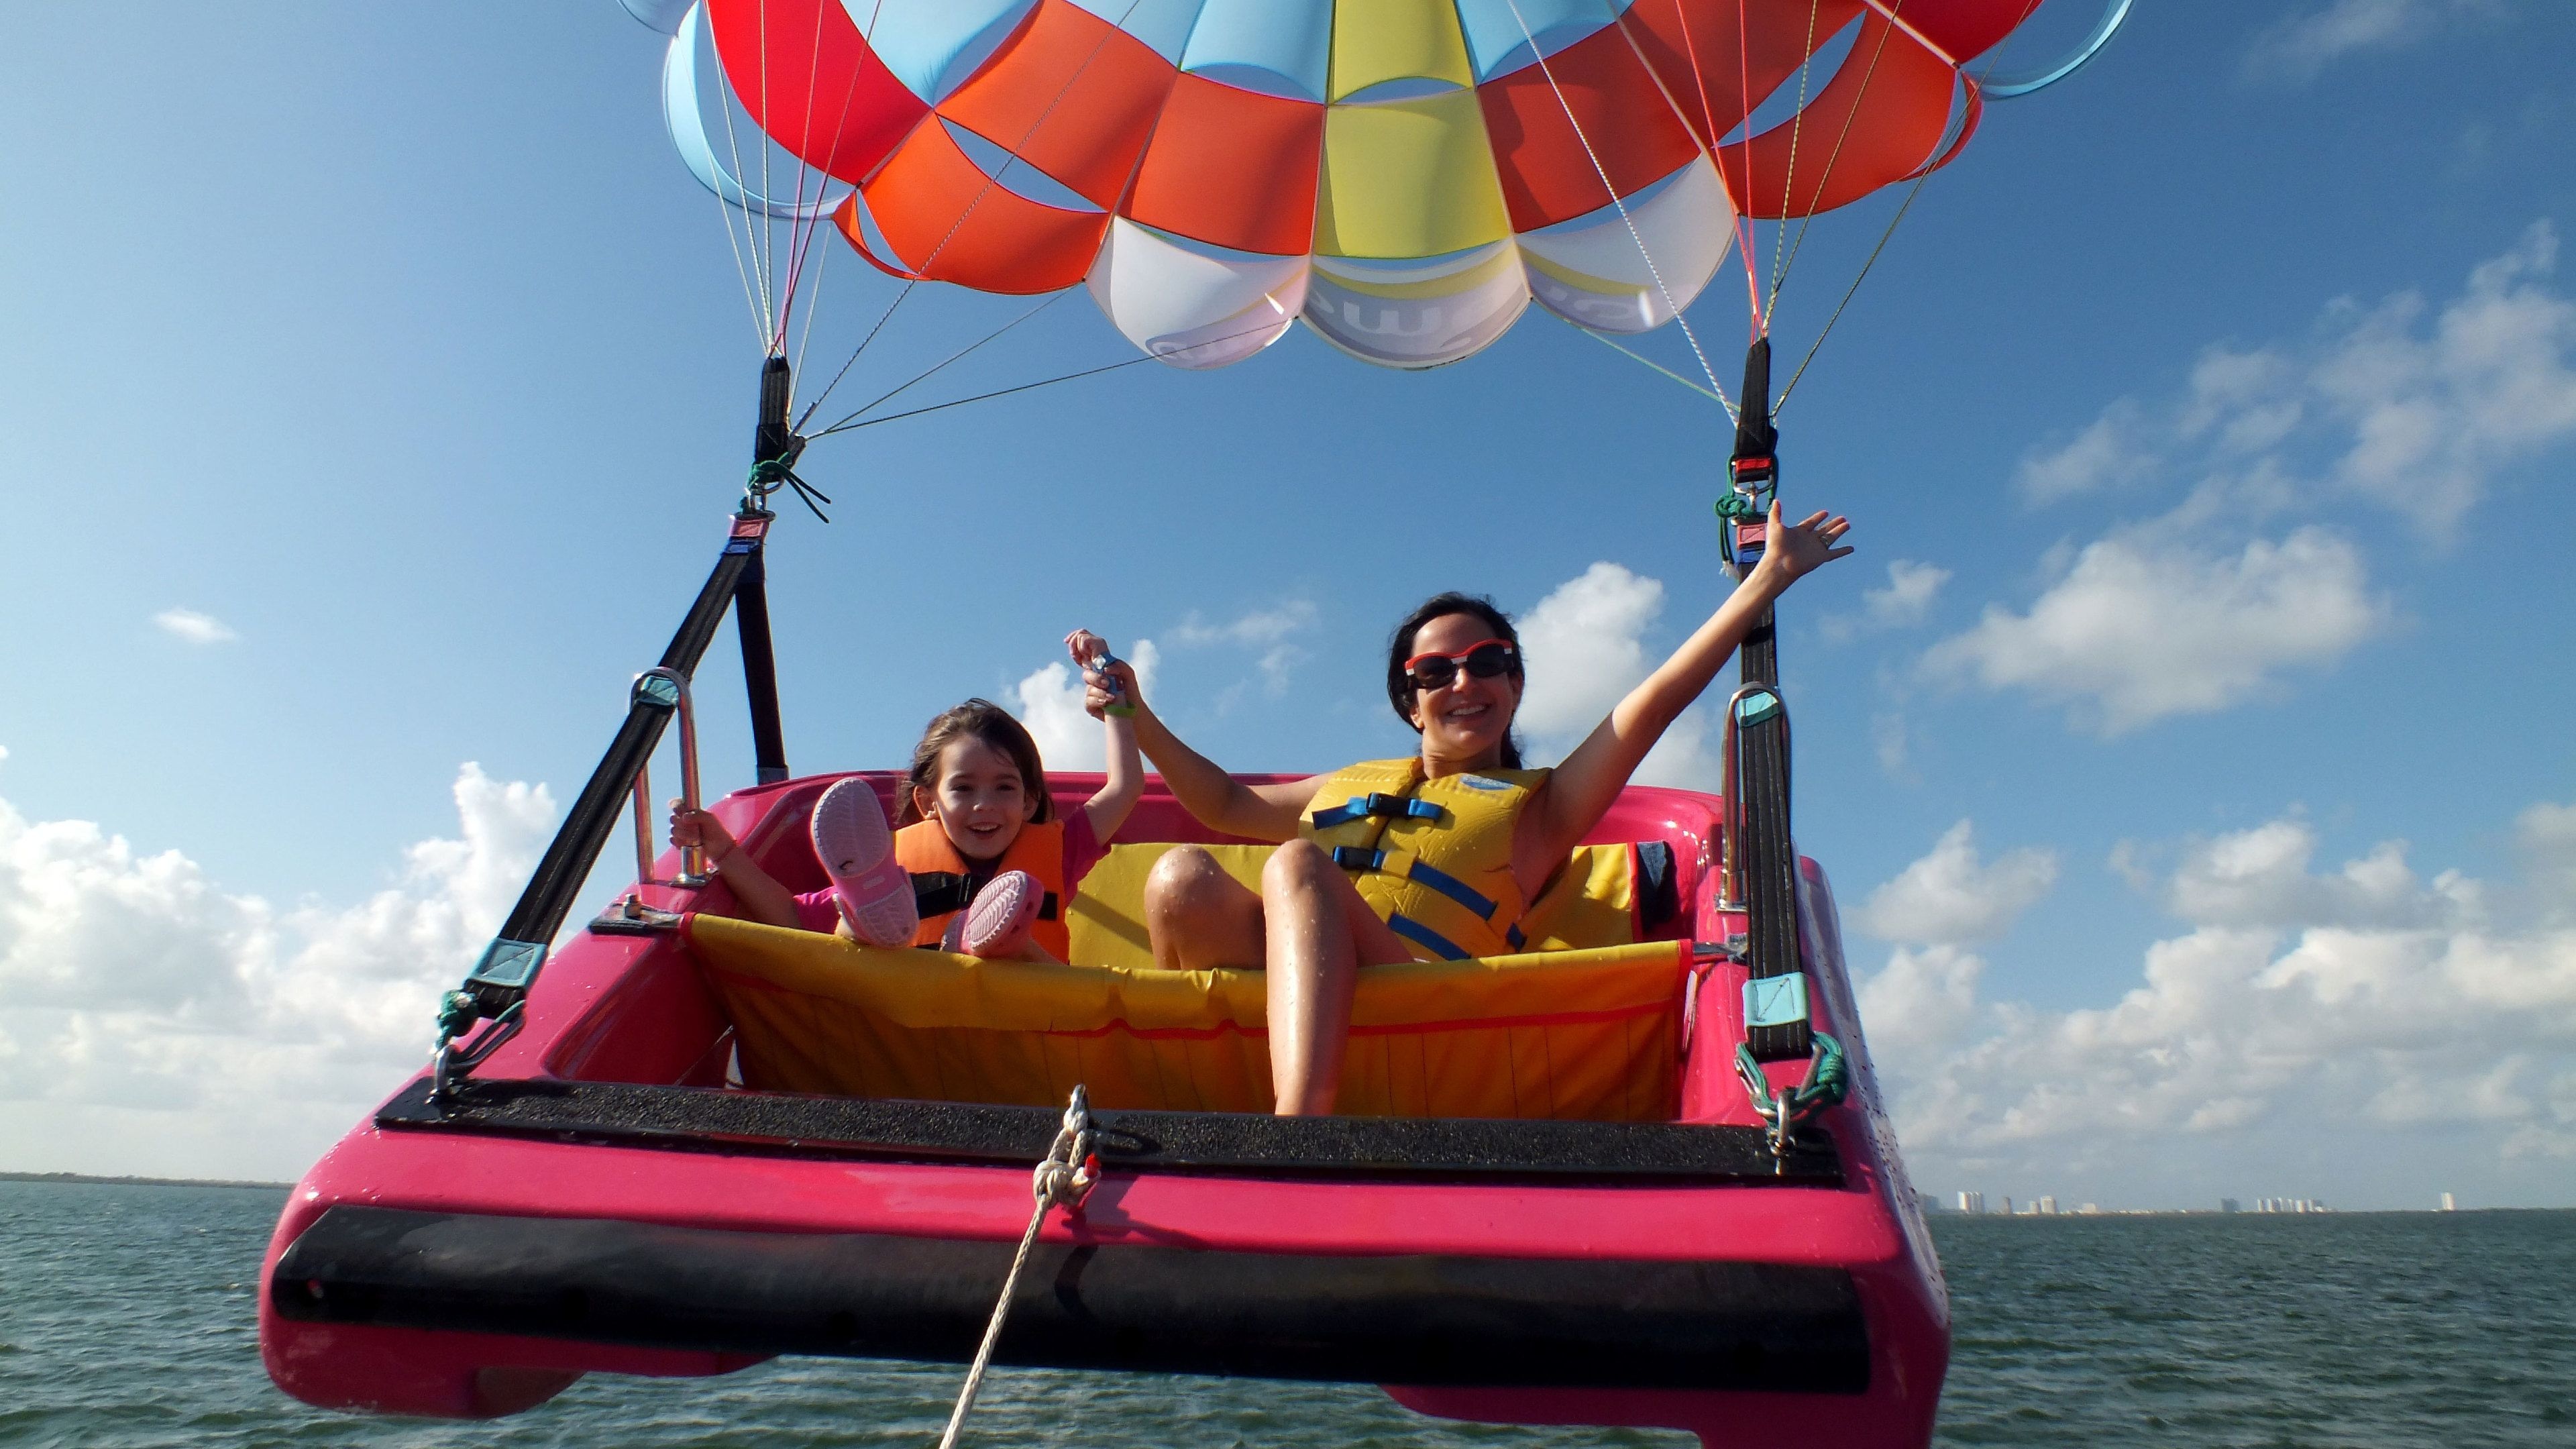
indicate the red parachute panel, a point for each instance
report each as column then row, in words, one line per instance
column 947, row 221
column 1070, row 94
column 1542, row 158
column 809, row 80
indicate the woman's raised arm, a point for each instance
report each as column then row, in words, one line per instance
column 1213, row 797
column 1579, row 793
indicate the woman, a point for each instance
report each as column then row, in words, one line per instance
column 1431, row 856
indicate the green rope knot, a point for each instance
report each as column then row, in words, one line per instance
column 1828, row 1078
column 457, row 1013
column 1738, row 507
column 769, row 473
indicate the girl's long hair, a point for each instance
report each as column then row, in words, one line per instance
column 979, row 719
column 1399, row 648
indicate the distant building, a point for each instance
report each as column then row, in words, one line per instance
column 2008, row 1207
column 1975, row 1202
column 2048, row 1207
column 2090, row 1208
column 2230, row 1205
column 2449, row 1204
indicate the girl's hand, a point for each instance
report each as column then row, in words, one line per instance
column 701, row 829
column 1792, row 552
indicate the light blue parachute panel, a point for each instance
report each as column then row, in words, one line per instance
column 1500, row 32
column 932, row 46
column 1161, row 24
column 1276, row 47
column 684, row 114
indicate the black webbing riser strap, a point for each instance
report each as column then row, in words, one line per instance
column 760, row 671
column 567, row 861
column 1768, row 849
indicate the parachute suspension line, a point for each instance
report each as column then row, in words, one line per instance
column 750, row 295
column 1789, row 178
column 800, row 229
column 1634, row 235
column 1743, row 229
column 934, row 369
column 852, row 426
column 879, row 326
column 814, row 223
column 991, row 180
column 1780, row 277
column 813, row 303
column 750, row 225
column 1883, row 237
column 1744, row 253
column 1649, row 363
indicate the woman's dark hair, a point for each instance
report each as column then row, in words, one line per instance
column 1399, row 648
column 979, row 719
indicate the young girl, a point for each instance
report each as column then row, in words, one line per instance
column 981, row 864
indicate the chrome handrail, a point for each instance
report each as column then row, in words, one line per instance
column 1730, row 870
column 670, row 688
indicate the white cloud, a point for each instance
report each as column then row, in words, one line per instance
column 1267, row 630
column 1903, row 603
column 2145, row 625
column 1951, row 897
column 194, row 627
column 2297, row 1008
column 1051, row 706
column 2413, row 414
column 2299, row 46
column 1257, row 628
column 2547, row 833
column 2109, row 451
column 1584, row 646
column 151, row 1021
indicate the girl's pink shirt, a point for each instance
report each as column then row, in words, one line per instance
column 816, row 912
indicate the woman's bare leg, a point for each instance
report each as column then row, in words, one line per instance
column 1198, row 917
column 1320, row 933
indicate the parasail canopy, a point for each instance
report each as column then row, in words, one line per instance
column 1403, row 175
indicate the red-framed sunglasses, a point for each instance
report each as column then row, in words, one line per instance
column 1482, row 661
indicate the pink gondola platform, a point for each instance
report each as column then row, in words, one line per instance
column 597, row 1198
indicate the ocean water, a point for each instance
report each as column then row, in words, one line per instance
column 126, row 1320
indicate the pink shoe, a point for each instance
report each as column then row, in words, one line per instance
column 857, row 851
column 998, row 922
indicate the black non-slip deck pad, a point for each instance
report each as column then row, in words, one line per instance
column 1432, row 1320
column 709, row 1119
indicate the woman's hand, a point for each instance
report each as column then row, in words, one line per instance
column 1116, row 684
column 701, row 829
column 1792, row 552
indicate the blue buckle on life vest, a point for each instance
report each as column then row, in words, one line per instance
column 1361, row 857
column 1422, row 935
column 1377, row 803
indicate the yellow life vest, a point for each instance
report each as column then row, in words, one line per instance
column 941, row 877
column 1434, row 857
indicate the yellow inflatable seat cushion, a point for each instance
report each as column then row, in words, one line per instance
column 1590, row 1035
column 1592, row 902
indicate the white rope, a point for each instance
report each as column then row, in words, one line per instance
column 1548, row 73
column 1063, row 1179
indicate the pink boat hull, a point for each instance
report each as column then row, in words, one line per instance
column 632, row 1009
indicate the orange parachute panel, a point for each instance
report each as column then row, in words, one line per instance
column 948, row 221
column 1070, row 94
column 1233, row 168
column 1546, row 158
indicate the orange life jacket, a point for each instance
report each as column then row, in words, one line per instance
column 940, row 875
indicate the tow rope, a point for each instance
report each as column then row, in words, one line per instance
column 1064, row 1179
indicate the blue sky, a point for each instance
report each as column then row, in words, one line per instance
column 2224, row 387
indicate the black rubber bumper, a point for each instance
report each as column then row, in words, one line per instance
column 1431, row 1320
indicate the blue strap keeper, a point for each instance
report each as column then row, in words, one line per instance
column 1775, row 1000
